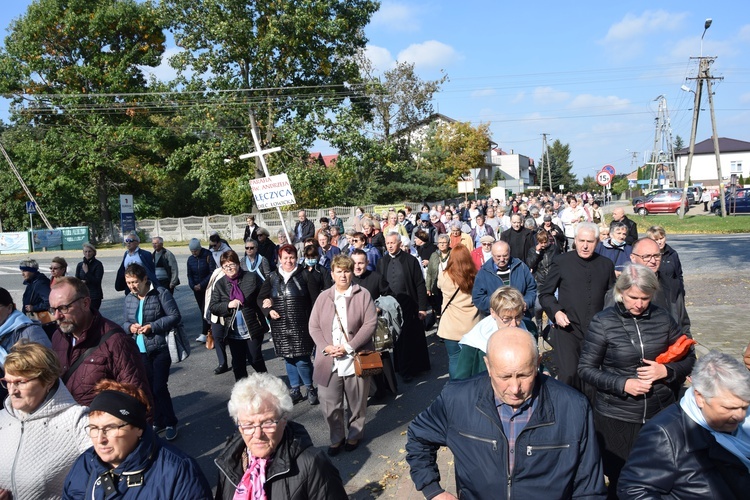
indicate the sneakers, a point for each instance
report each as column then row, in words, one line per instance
column 201, row 338
column 296, row 395
column 171, row 433
column 312, row 396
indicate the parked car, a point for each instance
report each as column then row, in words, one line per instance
column 737, row 204
column 663, row 202
column 690, row 196
column 697, row 192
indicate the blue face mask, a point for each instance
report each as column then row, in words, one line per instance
column 311, row 262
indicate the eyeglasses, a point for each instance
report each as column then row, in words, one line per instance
column 55, row 268
column 267, row 426
column 249, row 248
column 227, row 267
column 486, row 244
column 112, row 430
column 129, row 240
column 64, row 308
column 20, row 383
column 653, row 256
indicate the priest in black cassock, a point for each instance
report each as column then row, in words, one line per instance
column 520, row 239
column 401, row 277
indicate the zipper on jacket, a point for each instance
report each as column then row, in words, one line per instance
column 484, row 440
column 14, row 488
column 530, row 448
column 643, row 356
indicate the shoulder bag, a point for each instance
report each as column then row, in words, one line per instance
column 366, row 363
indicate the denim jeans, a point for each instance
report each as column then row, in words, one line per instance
column 453, row 349
column 299, row 370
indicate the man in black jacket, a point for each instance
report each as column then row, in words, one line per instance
column 618, row 215
column 581, row 279
column 520, row 239
column 304, row 228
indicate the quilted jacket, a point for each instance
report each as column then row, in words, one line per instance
column 159, row 310
column 291, row 299
column 39, row 448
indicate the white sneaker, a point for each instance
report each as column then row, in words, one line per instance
column 201, row 338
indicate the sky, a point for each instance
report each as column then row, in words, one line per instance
column 586, row 73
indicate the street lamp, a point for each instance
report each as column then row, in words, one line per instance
column 705, row 28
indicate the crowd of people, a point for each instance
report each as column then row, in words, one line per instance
column 495, row 277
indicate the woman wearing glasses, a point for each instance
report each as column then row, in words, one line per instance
column 255, row 262
column 272, row 456
column 234, row 298
column 57, row 269
column 127, row 459
column 41, row 427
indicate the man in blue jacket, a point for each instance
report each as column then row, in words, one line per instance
column 503, row 270
column 514, row 434
column 134, row 255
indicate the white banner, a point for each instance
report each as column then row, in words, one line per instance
column 274, row 191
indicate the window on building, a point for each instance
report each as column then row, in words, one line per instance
column 735, row 167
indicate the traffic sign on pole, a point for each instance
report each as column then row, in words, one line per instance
column 603, row 178
column 610, row 169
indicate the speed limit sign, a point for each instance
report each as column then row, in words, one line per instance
column 603, row 178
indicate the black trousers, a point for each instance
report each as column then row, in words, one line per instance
column 243, row 350
column 200, row 298
column 615, row 439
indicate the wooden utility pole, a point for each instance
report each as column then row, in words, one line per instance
column 703, row 74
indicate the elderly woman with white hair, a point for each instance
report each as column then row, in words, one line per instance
column 700, row 447
column 458, row 237
column 618, row 358
column 272, row 456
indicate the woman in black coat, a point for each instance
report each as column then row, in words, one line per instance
column 91, row 271
column 235, row 298
column 617, row 358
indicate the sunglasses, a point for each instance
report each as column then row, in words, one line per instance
column 249, row 248
column 129, row 240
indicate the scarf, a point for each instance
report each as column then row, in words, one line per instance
column 15, row 320
column 251, row 484
column 235, row 292
column 737, row 443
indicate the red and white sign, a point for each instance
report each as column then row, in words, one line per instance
column 603, row 178
column 610, row 169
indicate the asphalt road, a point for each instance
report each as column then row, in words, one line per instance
column 715, row 269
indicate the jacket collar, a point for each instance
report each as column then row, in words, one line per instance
column 544, row 413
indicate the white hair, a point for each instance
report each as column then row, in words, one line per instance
column 259, row 390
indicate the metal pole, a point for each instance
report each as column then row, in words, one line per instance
column 722, row 201
column 693, row 131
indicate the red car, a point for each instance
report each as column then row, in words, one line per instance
column 661, row 203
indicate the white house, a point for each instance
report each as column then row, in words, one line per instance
column 735, row 159
column 518, row 170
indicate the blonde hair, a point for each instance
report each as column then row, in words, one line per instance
column 33, row 360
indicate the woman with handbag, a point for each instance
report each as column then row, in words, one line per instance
column 234, row 298
column 342, row 324
column 150, row 314
column 459, row 315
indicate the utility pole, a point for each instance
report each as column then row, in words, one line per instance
column 25, row 188
column 704, row 75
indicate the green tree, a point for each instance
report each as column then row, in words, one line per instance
column 71, row 68
column 561, row 168
column 288, row 62
column 456, row 148
column 678, row 143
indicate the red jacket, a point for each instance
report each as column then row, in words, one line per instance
column 478, row 257
column 116, row 359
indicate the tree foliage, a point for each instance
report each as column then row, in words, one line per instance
column 63, row 62
column 561, row 168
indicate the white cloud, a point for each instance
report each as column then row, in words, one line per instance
column 635, row 27
column 548, row 95
column 483, row 93
column 429, row 55
column 588, row 101
column 380, row 58
column 163, row 72
column 396, row 17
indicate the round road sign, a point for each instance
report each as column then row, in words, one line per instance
column 610, row 169
column 603, row 178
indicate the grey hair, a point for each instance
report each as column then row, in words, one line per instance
column 29, row 263
column 639, row 276
column 133, row 236
column 587, row 226
column 263, row 231
column 616, row 225
column 529, row 223
column 444, row 236
column 455, row 225
column 256, row 391
column 161, row 240
column 716, row 371
column 90, row 247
